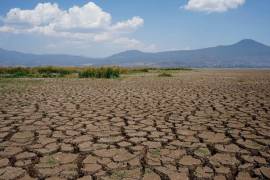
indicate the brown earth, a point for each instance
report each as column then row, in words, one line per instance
column 202, row 124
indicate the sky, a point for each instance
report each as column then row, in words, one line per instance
column 100, row 28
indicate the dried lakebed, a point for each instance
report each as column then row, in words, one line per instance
column 203, row 124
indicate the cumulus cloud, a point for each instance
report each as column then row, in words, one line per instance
column 213, row 5
column 88, row 23
column 131, row 24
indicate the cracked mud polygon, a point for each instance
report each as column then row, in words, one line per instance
column 201, row 124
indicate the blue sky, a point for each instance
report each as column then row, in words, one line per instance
column 103, row 27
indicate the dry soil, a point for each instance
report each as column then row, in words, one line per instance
column 201, row 124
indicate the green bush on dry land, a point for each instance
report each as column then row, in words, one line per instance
column 176, row 69
column 15, row 72
column 49, row 71
column 103, row 72
column 81, row 72
column 165, row 75
column 52, row 71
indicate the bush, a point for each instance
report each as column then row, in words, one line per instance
column 15, row 72
column 137, row 70
column 177, row 69
column 164, row 75
column 103, row 72
column 82, row 72
column 53, row 70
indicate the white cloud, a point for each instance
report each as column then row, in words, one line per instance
column 88, row 16
column 43, row 14
column 131, row 24
column 88, row 23
column 213, row 5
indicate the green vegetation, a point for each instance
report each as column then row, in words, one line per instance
column 81, row 72
column 103, row 72
column 164, row 74
column 54, row 72
column 119, row 175
column 38, row 72
column 148, row 171
column 51, row 161
column 177, row 69
column 203, row 152
column 51, row 71
column 136, row 70
column 155, row 153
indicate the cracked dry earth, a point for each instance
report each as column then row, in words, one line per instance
column 202, row 124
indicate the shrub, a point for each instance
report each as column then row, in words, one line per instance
column 82, row 72
column 87, row 73
column 103, row 72
column 15, row 72
column 53, row 70
column 138, row 70
column 164, row 75
column 177, row 69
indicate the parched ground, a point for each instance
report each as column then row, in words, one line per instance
column 202, row 124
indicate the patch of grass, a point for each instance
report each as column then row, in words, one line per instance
column 203, row 151
column 148, row 171
column 119, row 175
column 52, row 161
column 164, row 74
column 155, row 152
column 240, row 80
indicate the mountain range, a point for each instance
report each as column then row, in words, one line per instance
column 246, row 53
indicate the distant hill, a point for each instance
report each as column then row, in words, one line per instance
column 14, row 58
column 246, row 53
